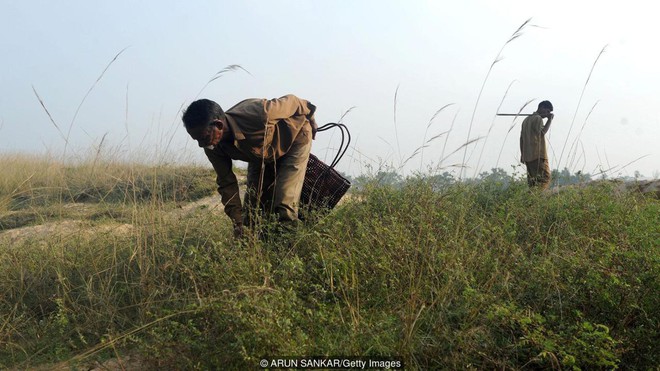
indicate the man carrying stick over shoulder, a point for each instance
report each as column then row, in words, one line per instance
column 532, row 146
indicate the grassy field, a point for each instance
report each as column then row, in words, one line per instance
column 110, row 260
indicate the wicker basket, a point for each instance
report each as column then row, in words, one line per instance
column 323, row 186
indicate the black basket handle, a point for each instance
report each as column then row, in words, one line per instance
column 345, row 139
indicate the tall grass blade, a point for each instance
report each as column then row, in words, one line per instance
column 421, row 161
column 498, row 58
column 444, row 146
column 75, row 115
column 617, row 167
column 49, row 115
column 474, row 140
column 577, row 138
column 584, row 87
column 396, row 133
column 492, row 123
column 219, row 74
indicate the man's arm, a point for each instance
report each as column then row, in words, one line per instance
column 546, row 127
column 227, row 186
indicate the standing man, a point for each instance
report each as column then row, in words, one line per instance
column 273, row 136
column 532, row 146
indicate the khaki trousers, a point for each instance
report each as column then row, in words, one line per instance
column 277, row 185
column 538, row 173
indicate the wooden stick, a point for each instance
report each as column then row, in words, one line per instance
column 514, row 114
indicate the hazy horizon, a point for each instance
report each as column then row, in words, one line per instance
column 342, row 56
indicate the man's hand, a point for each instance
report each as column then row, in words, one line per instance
column 546, row 127
column 238, row 231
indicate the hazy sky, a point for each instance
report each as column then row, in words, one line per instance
column 339, row 54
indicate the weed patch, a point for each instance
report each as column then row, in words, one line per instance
column 451, row 275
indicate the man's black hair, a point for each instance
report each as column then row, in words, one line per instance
column 202, row 112
column 546, row 104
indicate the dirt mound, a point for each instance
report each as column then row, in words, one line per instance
column 62, row 230
column 211, row 203
column 646, row 187
column 650, row 187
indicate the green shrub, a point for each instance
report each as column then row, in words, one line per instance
column 458, row 275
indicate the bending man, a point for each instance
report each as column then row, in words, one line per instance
column 273, row 136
